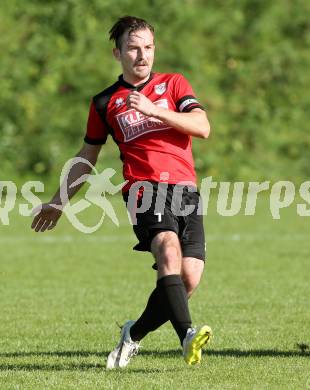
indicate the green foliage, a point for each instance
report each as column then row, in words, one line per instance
column 248, row 62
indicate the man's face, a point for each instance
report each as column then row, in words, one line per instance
column 136, row 55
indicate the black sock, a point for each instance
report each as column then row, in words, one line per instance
column 159, row 309
column 153, row 317
column 175, row 299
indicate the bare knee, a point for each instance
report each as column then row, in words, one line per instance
column 166, row 250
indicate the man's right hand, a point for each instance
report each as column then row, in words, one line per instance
column 48, row 214
column 46, row 217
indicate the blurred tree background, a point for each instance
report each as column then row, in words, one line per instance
column 247, row 60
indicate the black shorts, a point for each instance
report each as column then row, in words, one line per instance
column 189, row 228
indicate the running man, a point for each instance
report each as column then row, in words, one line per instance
column 152, row 118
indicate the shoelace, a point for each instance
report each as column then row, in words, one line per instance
column 134, row 348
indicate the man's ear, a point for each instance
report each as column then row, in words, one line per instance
column 117, row 54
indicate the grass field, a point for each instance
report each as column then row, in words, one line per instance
column 63, row 291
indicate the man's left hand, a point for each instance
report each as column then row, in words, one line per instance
column 141, row 103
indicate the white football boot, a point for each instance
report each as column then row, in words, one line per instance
column 125, row 349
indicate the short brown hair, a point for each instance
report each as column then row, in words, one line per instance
column 130, row 24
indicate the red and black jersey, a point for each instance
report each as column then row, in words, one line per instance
column 147, row 145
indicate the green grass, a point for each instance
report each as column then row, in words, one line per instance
column 63, row 291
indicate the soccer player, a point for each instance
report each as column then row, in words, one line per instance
column 152, row 118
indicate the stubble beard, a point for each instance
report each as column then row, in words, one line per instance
column 142, row 73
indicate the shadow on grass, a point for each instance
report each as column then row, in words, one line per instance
column 257, row 353
column 55, row 353
column 50, row 367
column 234, row 353
column 83, row 366
column 165, row 353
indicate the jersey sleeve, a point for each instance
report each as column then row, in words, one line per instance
column 96, row 133
column 184, row 96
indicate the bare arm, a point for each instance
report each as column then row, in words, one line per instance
column 89, row 153
column 193, row 123
column 49, row 215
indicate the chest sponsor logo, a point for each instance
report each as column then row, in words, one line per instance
column 133, row 123
column 160, row 88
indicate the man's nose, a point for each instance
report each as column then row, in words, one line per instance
column 141, row 54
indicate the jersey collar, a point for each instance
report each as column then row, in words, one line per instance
column 134, row 87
